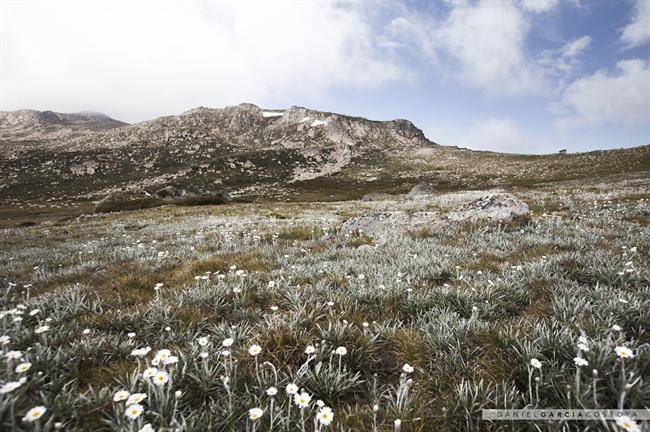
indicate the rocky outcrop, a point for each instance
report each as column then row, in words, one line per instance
column 378, row 196
column 422, row 190
column 46, row 125
column 492, row 208
column 169, row 192
column 85, row 168
column 497, row 207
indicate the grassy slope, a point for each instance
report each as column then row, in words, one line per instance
column 536, row 289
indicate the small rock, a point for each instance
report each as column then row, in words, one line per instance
column 377, row 196
column 422, row 190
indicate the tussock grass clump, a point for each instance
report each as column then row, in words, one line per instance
column 300, row 233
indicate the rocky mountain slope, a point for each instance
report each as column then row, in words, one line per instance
column 251, row 152
column 30, row 125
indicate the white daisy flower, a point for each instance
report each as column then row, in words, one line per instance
column 627, row 424
column 579, row 361
column 254, row 350
column 203, row 341
column 121, row 395
column 616, row 328
column 160, row 378
column 134, row 411
column 255, row 413
column 11, row 386
column 341, row 351
column 34, row 414
column 13, row 355
column 536, row 363
column 23, row 367
column 140, row 352
column 149, row 372
column 624, row 352
column 135, row 398
column 325, row 416
column 310, row 349
column 161, row 356
column 170, row 360
column 407, row 368
column 147, row 428
column 291, row 389
column 228, row 342
column 302, row 399
column 271, row 391
column 41, row 329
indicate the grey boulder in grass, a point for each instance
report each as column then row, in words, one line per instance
column 495, row 208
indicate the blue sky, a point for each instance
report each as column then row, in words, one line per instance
column 528, row 76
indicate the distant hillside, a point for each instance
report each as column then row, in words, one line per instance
column 48, row 125
column 297, row 153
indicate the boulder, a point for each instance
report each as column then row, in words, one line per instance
column 377, row 196
column 385, row 225
column 169, row 192
column 496, row 207
column 422, row 190
column 493, row 208
column 88, row 167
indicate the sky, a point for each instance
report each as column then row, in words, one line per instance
column 522, row 76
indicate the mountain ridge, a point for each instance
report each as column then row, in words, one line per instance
column 294, row 153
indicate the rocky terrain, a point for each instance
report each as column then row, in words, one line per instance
column 25, row 126
column 55, row 160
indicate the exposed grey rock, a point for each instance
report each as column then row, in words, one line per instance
column 169, row 192
column 378, row 196
column 422, row 190
column 85, row 168
column 33, row 125
column 494, row 208
column 384, row 225
column 497, row 207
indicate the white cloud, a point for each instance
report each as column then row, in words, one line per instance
column 638, row 31
column 136, row 60
column 492, row 133
column 576, row 47
column 621, row 97
column 539, row 6
column 497, row 134
column 487, row 41
column 560, row 64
